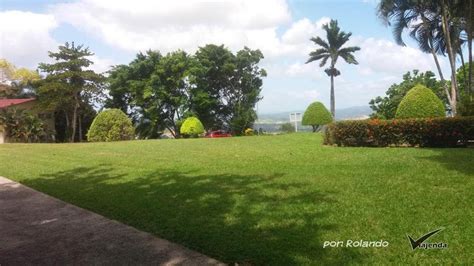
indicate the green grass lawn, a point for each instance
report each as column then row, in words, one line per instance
column 266, row 200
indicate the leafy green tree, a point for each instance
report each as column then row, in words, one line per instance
column 331, row 50
column 227, row 87
column 154, row 90
column 316, row 115
column 159, row 92
column 69, row 86
column 420, row 102
column 192, row 127
column 439, row 27
column 16, row 82
column 386, row 107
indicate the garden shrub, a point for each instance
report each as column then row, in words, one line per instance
column 423, row 132
column 111, row 125
column 249, row 132
column 420, row 102
column 287, row 128
column 316, row 115
column 191, row 127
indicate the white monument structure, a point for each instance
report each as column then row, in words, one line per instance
column 295, row 118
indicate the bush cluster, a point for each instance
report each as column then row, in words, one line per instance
column 191, row 127
column 423, row 132
column 249, row 132
column 420, row 102
column 111, row 125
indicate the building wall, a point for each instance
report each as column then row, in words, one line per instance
column 2, row 135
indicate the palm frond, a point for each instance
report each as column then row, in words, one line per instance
column 320, row 42
column 323, row 62
column 349, row 58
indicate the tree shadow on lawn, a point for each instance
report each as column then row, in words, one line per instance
column 245, row 219
column 456, row 159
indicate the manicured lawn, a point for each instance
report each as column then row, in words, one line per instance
column 266, row 200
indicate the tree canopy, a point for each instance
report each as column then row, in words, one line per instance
column 159, row 91
column 330, row 51
column 386, row 107
column 69, row 87
column 316, row 115
column 16, row 82
column 420, row 102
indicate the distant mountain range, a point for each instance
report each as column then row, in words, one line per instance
column 355, row 112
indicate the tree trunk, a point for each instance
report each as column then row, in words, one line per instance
column 74, row 118
column 463, row 73
column 314, row 128
column 66, row 114
column 452, row 59
column 333, row 100
column 80, row 128
column 469, row 45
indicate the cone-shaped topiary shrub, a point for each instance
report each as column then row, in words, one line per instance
column 316, row 115
column 111, row 125
column 191, row 127
column 420, row 102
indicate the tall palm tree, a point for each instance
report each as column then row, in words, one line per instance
column 433, row 25
column 330, row 51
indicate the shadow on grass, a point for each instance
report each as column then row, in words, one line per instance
column 245, row 219
column 455, row 159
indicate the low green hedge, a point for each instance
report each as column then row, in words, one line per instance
column 423, row 132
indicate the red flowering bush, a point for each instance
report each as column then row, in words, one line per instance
column 423, row 132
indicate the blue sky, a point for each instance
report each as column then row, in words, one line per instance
column 117, row 30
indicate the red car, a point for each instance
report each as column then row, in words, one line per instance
column 218, row 134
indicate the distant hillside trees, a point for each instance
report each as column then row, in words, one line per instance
column 159, row 91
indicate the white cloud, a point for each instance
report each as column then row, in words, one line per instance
column 101, row 65
column 25, row 37
column 300, row 69
column 168, row 25
column 383, row 56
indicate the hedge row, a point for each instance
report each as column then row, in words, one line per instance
column 423, row 132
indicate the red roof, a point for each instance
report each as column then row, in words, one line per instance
column 9, row 102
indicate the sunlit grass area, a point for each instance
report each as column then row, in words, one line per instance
column 266, row 200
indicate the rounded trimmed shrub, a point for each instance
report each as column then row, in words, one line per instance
column 420, row 102
column 316, row 115
column 191, row 127
column 111, row 125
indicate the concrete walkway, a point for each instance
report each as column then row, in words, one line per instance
column 38, row 229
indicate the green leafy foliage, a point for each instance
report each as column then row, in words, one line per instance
column 420, row 102
column 316, row 115
column 70, row 88
column 111, row 125
column 20, row 81
column 424, row 132
column 192, row 127
column 214, row 84
column 386, row 107
column 23, row 125
column 466, row 103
